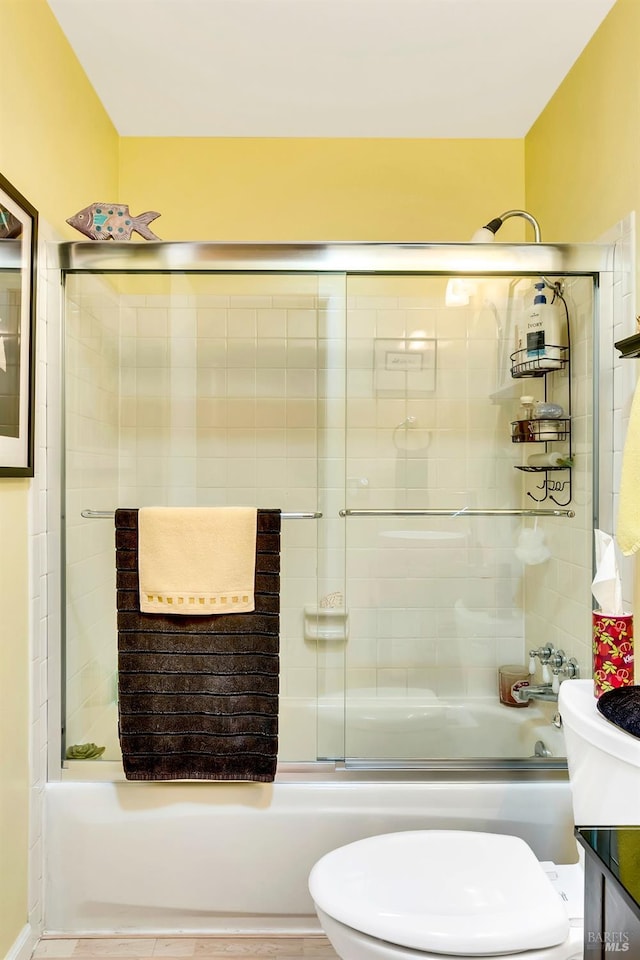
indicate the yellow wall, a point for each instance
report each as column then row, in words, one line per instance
column 581, row 156
column 58, row 146
column 60, row 151
column 582, row 167
column 322, row 189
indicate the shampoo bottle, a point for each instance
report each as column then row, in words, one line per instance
column 546, row 332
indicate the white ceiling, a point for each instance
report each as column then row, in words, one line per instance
column 327, row 68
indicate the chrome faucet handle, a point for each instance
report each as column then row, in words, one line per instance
column 568, row 666
column 558, row 660
column 544, row 655
column 571, row 669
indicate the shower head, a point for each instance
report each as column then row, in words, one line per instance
column 459, row 289
column 487, row 233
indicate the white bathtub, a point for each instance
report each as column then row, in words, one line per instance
column 424, row 726
column 389, row 727
column 165, row 859
column 224, row 858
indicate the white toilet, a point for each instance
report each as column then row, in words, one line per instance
column 428, row 893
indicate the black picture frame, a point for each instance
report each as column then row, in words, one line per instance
column 18, row 265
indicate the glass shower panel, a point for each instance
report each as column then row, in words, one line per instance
column 200, row 390
column 368, row 394
column 437, row 603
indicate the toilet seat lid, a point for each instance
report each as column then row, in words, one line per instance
column 445, row 891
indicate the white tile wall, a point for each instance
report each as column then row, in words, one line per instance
column 44, row 570
column 38, row 620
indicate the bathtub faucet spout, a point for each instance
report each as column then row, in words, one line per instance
column 535, row 691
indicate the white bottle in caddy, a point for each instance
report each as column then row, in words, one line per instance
column 545, row 332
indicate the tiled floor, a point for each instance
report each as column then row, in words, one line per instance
column 141, row 948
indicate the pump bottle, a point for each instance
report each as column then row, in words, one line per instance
column 545, row 332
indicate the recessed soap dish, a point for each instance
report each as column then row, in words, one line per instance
column 325, row 623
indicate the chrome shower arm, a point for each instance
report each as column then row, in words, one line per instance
column 526, row 216
column 494, row 225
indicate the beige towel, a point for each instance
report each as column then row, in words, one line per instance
column 628, row 533
column 197, row 560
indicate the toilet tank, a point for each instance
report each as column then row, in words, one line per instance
column 603, row 760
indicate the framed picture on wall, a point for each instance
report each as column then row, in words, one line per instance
column 18, row 239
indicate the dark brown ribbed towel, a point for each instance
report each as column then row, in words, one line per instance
column 198, row 696
column 622, row 707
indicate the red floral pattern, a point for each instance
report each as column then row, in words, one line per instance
column 612, row 652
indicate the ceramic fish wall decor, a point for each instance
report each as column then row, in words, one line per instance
column 112, row 221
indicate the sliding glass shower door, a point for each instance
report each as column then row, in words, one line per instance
column 375, row 410
column 201, row 390
column 447, row 578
